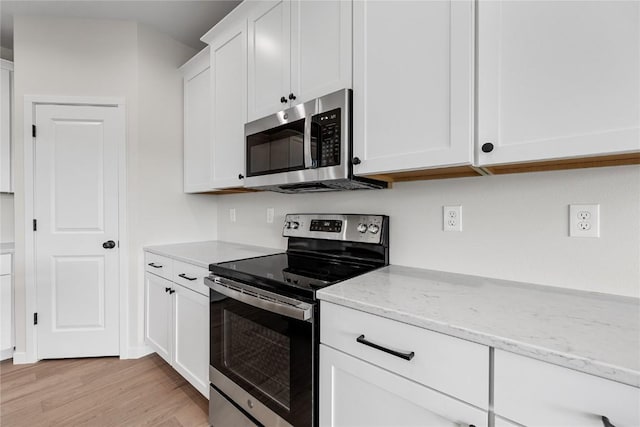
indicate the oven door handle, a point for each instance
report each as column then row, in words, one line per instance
column 261, row 299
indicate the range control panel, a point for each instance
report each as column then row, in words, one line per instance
column 351, row 227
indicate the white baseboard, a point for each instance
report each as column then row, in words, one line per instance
column 138, row 352
column 6, row 354
column 20, row 358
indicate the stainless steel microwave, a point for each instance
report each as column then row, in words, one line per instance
column 306, row 148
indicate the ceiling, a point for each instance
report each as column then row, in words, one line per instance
column 183, row 20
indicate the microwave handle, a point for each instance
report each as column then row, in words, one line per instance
column 308, row 159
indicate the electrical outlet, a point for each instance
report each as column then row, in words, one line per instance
column 232, row 214
column 270, row 213
column 584, row 220
column 452, row 218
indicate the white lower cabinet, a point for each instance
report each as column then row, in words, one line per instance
column 191, row 337
column 157, row 329
column 6, row 307
column 535, row 393
column 356, row 393
column 177, row 328
column 379, row 372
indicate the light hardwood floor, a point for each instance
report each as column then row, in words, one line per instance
column 98, row 392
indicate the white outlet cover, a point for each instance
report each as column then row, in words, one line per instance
column 270, row 214
column 232, row 214
column 452, row 218
column 584, row 220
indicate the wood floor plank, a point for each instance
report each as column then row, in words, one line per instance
column 100, row 392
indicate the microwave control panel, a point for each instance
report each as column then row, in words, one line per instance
column 329, row 138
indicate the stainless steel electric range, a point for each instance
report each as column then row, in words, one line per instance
column 264, row 330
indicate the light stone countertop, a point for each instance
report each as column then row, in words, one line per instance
column 594, row 333
column 7, row 248
column 208, row 252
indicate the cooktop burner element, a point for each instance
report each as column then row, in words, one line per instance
column 323, row 249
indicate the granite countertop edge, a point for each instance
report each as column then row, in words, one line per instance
column 235, row 251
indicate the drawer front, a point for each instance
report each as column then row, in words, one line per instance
column 536, row 393
column 5, row 264
column 190, row 276
column 158, row 265
column 447, row 364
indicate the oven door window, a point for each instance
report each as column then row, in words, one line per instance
column 268, row 355
column 276, row 150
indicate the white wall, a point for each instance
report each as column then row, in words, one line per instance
column 163, row 212
column 76, row 57
column 515, row 226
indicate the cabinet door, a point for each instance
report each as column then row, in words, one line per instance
column 412, row 85
column 356, row 393
column 6, row 316
column 157, row 329
column 191, row 337
column 557, row 79
column 229, row 86
column 5, row 131
column 269, row 58
column 197, row 128
column 320, row 47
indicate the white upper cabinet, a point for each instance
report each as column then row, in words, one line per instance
column 412, row 85
column 6, row 77
column 197, row 123
column 228, row 52
column 269, row 58
column 557, row 79
column 298, row 50
column 321, row 51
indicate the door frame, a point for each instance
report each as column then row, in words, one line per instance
column 30, row 103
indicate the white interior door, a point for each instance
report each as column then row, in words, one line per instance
column 76, row 207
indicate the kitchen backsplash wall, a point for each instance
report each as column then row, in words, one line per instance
column 514, row 226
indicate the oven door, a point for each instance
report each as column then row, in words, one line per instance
column 262, row 352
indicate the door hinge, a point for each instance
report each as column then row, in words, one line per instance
column 33, row 131
column 35, row 225
column 35, row 318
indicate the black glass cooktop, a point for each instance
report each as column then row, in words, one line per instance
column 301, row 274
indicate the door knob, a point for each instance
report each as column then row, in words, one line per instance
column 109, row 244
column 487, row 147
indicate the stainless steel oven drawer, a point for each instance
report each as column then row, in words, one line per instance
column 222, row 413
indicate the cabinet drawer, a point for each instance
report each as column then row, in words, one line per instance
column 158, row 265
column 5, row 264
column 451, row 365
column 536, row 393
column 190, row 276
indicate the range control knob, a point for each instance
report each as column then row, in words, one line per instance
column 287, row 224
column 362, row 228
column 295, row 225
column 373, row 228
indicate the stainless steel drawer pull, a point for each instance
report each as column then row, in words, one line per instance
column 606, row 422
column 184, row 276
column 154, row 265
column 406, row 356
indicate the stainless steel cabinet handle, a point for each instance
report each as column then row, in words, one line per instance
column 151, row 264
column 184, row 276
column 606, row 422
column 406, row 356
